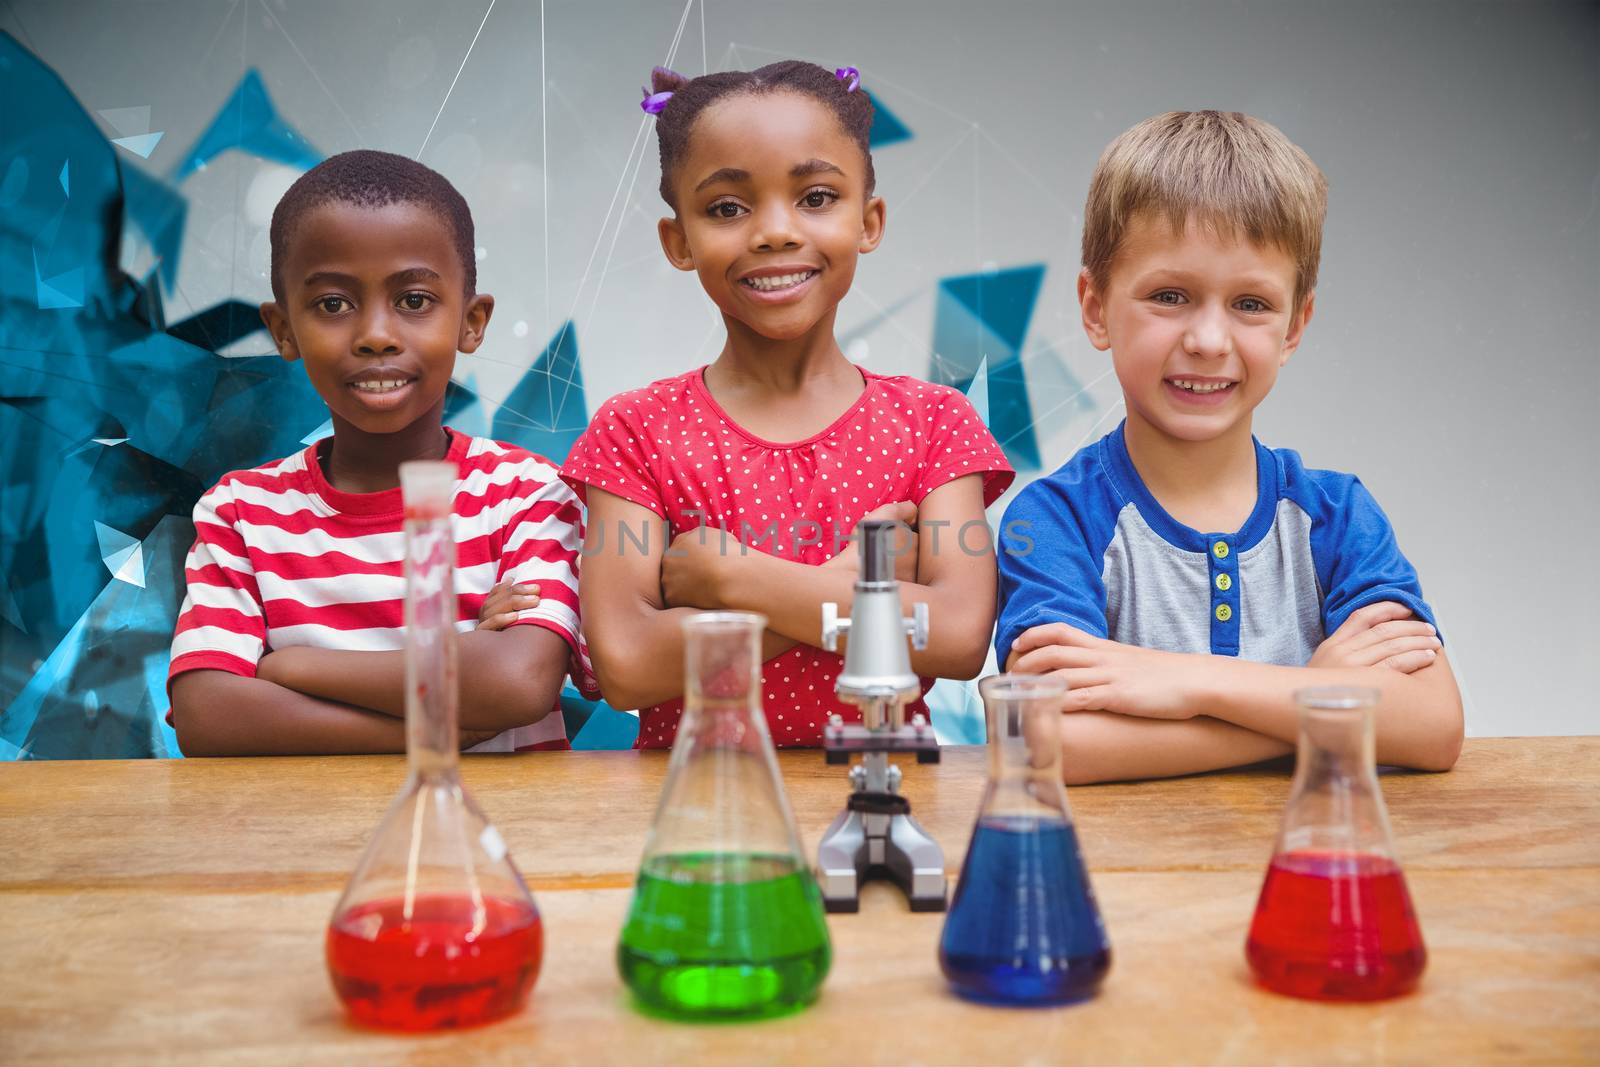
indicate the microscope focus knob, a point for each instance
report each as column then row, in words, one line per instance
column 832, row 626
column 917, row 626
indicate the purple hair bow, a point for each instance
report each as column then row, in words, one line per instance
column 850, row 76
column 653, row 103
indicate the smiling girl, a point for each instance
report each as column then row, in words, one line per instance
column 781, row 442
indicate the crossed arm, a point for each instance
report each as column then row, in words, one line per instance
column 1141, row 713
column 634, row 600
column 312, row 701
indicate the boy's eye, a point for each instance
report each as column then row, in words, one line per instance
column 414, row 301
column 1253, row 305
column 818, row 198
column 1170, row 297
column 332, row 304
column 725, row 209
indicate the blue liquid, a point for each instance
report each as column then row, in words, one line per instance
column 1024, row 928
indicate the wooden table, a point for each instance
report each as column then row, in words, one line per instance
column 172, row 911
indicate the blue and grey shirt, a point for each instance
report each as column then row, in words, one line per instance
column 1090, row 547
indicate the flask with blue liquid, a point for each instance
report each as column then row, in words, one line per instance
column 1024, row 927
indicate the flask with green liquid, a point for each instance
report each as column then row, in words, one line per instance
column 727, row 919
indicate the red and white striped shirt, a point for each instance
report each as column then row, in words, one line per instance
column 282, row 558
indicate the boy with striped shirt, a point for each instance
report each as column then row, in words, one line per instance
column 289, row 639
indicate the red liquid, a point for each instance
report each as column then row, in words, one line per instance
column 432, row 971
column 1335, row 926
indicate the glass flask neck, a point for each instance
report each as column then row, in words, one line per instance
column 1336, row 739
column 432, row 734
column 1024, row 717
column 1335, row 803
column 723, row 795
column 722, row 676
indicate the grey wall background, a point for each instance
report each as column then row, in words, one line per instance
column 1452, row 362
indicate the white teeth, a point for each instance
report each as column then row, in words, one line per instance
column 379, row 387
column 1200, row 387
column 781, row 281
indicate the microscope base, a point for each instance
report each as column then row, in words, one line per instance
column 876, row 837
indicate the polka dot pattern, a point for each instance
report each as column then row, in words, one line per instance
column 671, row 448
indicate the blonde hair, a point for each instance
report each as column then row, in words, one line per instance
column 1228, row 170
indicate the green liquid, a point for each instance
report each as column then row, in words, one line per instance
column 721, row 935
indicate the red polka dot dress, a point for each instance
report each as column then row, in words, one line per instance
column 671, row 448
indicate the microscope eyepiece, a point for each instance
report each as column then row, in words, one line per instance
column 877, row 543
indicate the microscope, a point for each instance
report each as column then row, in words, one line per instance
column 875, row 835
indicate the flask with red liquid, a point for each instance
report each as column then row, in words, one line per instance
column 1334, row 920
column 436, row 928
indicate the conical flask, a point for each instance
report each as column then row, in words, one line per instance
column 726, row 918
column 1023, row 927
column 1334, row 920
column 436, row 928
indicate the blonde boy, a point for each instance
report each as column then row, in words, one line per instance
column 1181, row 577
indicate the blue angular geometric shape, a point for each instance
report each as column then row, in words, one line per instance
column 607, row 728
column 594, row 725
column 980, row 323
column 1011, row 415
column 1002, row 300
column 463, row 408
column 249, row 122
column 159, row 212
column 256, row 411
column 545, row 413
column 101, row 691
column 887, row 129
column 142, row 145
column 15, row 182
column 83, row 366
column 325, row 430
column 114, row 544
column 978, row 390
column 62, row 291
column 8, row 606
column 956, row 712
column 130, row 567
column 1054, row 391
column 60, row 193
column 220, row 325
column 53, row 498
column 127, row 121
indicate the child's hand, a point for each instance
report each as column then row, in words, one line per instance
column 690, row 567
column 504, row 601
column 1106, row 675
column 1380, row 635
column 905, row 545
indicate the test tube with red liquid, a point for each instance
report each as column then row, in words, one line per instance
column 1335, row 920
column 436, row 928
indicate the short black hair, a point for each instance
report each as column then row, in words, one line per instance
column 367, row 178
column 691, row 96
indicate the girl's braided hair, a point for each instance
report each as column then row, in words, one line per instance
column 690, row 96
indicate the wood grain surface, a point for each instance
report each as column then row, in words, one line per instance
column 173, row 911
column 580, row 818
